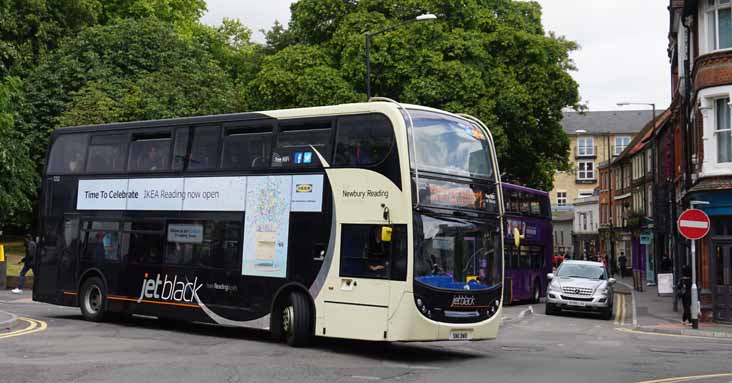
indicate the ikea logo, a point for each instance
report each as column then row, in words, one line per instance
column 304, row 188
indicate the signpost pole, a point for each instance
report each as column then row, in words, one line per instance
column 694, row 292
column 694, row 288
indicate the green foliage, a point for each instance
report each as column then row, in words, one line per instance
column 132, row 70
column 299, row 76
column 168, row 11
column 17, row 171
column 487, row 58
column 30, row 28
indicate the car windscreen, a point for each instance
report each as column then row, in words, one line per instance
column 574, row 270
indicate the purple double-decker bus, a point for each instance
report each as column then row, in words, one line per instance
column 528, row 243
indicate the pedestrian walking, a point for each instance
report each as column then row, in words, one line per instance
column 27, row 261
column 622, row 260
column 684, row 293
column 666, row 264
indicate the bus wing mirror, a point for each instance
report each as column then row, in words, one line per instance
column 385, row 234
column 550, row 276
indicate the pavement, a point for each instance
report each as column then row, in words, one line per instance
column 654, row 313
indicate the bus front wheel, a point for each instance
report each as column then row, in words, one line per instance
column 296, row 318
column 93, row 299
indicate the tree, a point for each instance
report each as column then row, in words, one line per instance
column 299, row 76
column 30, row 28
column 488, row 58
column 132, row 70
column 17, row 171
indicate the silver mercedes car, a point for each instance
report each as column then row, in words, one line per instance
column 580, row 286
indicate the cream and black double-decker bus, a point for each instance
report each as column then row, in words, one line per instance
column 375, row 221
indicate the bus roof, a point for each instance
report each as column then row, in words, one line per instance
column 362, row 107
column 509, row 186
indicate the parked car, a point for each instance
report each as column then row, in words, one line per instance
column 580, row 286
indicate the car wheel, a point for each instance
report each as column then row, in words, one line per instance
column 93, row 301
column 551, row 309
column 536, row 292
column 296, row 320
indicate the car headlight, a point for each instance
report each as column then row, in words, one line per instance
column 554, row 286
column 601, row 291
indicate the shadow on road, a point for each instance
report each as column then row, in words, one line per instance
column 423, row 352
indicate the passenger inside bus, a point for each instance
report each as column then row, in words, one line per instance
column 152, row 159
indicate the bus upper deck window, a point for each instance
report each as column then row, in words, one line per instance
column 296, row 141
column 247, row 147
column 363, row 140
column 150, row 152
column 205, row 148
column 107, row 153
column 68, row 154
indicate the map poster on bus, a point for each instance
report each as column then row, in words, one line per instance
column 266, row 226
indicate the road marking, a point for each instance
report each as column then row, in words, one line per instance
column 620, row 310
column 687, row 378
column 632, row 302
column 629, row 330
column 365, row 377
column 33, row 327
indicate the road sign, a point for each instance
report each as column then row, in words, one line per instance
column 645, row 239
column 693, row 224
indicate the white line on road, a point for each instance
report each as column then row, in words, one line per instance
column 365, row 377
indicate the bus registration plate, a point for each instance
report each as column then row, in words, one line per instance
column 461, row 335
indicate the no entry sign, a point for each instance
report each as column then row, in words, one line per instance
column 693, row 224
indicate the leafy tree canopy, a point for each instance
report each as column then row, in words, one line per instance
column 132, row 70
column 488, row 58
column 18, row 180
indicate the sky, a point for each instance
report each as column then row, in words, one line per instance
column 622, row 55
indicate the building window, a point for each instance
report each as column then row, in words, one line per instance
column 719, row 24
column 561, row 198
column 584, row 193
column 585, row 170
column 621, row 142
column 723, row 131
column 585, row 146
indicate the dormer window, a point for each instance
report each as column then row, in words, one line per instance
column 718, row 15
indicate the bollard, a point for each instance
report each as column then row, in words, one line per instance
column 3, row 269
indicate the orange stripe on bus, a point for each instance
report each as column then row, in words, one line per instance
column 115, row 298
column 70, row 293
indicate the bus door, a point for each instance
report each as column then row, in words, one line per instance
column 46, row 269
column 357, row 297
column 51, row 243
column 69, row 253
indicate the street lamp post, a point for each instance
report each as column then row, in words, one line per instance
column 370, row 35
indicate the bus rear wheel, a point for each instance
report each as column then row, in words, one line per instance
column 93, row 301
column 296, row 318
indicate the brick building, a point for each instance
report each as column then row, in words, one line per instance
column 700, row 39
